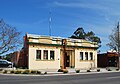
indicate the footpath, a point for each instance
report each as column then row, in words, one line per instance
column 70, row 72
column 73, row 71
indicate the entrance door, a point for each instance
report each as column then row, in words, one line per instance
column 67, row 61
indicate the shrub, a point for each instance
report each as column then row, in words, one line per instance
column 65, row 71
column 98, row 70
column 60, row 70
column 88, row 71
column 26, row 72
column 45, row 73
column 38, row 72
column 77, row 71
column 109, row 70
column 5, row 71
column 33, row 72
column 1, row 69
column 17, row 72
column 12, row 71
column 117, row 69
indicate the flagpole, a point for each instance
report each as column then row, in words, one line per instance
column 50, row 23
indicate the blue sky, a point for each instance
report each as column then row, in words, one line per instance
column 32, row 16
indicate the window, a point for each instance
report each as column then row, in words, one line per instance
column 91, row 56
column 38, row 54
column 86, row 55
column 81, row 55
column 45, row 54
column 51, row 55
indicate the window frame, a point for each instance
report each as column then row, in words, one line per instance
column 45, row 52
column 91, row 55
column 38, row 57
column 81, row 55
column 86, row 55
column 52, row 52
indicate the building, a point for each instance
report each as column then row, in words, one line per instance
column 109, row 59
column 19, row 59
column 49, row 52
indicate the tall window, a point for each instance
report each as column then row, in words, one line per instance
column 91, row 56
column 81, row 55
column 52, row 55
column 38, row 54
column 45, row 54
column 86, row 55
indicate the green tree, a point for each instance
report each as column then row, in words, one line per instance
column 90, row 36
column 9, row 56
column 9, row 38
column 79, row 34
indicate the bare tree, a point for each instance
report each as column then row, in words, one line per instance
column 9, row 38
column 114, row 39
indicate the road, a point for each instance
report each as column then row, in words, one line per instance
column 101, row 78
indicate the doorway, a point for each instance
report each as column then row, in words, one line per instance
column 67, row 61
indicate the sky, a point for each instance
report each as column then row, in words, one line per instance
column 33, row 16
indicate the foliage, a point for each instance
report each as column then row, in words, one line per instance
column 9, row 56
column 38, row 72
column 5, row 71
column 17, row 72
column 26, row 72
column 9, row 38
column 98, row 70
column 60, row 70
column 65, row 71
column 117, row 69
column 1, row 69
column 33, row 72
column 45, row 73
column 109, row 70
column 79, row 34
column 12, row 71
column 78, row 71
column 90, row 36
column 88, row 71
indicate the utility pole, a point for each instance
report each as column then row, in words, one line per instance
column 118, row 47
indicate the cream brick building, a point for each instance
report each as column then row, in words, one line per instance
column 49, row 52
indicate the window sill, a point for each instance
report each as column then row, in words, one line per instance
column 86, row 60
column 44, row 60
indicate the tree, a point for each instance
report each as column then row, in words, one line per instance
column 9, row 56
column 114, row 39
column 9, row 38
column 90, row 36
column 79, row 34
